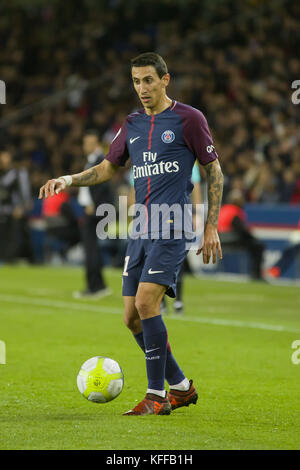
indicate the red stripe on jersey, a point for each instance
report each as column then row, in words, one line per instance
column 148, row 191
column 150, row 133
column 147, row 202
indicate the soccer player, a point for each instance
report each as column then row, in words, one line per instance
column 163, row 140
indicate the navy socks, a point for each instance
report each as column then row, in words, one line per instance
column 155, row 341
column 160, row 362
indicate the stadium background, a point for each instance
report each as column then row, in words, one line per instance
column 65, row 66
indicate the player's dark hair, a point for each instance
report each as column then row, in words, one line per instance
column 151, row 58
column 92, row 132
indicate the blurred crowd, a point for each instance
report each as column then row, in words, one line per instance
column 66, row 69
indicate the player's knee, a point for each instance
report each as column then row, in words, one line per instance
column 144, row 305
column 147, row 301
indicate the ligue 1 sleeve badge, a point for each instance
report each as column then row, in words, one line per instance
column 168, row 136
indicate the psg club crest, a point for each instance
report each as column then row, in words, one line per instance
column 168, row 136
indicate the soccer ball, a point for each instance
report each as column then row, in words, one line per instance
column 100, row 379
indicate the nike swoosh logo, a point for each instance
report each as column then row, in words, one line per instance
column 150, row 350
column 154, row 272
column 132, row 139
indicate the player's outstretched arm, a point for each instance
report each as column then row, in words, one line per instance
column 95, row 175
column 211, row 241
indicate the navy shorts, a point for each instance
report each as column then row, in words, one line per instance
column 156, row 261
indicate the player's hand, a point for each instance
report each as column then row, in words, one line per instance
column 54, row 186
column 211, row 245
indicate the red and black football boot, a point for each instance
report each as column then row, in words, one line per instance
column 151, row 405
column 179, row 398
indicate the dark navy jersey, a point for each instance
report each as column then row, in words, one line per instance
column 163, row 149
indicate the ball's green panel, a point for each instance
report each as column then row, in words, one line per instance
column 97, row 380
column 100, row 379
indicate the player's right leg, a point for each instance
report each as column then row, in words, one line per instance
column 181, row 393
column 162, row 265
column 173, row 374
column 177, row 397
column 151, row 403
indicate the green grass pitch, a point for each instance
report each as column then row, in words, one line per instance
column 235, row 341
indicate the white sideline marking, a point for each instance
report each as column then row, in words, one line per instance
column 2, row 352
column 117, row 311
column 58, row 304
column 235, row 323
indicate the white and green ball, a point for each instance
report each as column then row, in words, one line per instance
column 100, row 379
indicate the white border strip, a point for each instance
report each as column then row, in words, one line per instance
column 273, row 233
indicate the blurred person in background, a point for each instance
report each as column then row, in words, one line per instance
column 234, row 232
column 287, row 257
column 90, row 198
column 15, row 203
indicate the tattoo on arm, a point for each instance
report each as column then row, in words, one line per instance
column 95, row 175
column 85, row 178
column 214, row 191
